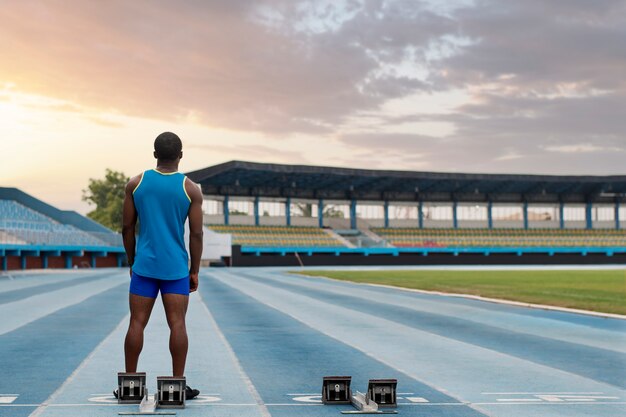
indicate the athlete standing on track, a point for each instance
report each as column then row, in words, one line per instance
column 162, row 199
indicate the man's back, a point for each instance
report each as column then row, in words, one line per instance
column 162, row 206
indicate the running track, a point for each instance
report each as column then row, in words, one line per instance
column 262, row 339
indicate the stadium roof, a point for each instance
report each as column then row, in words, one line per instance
column 250, row 179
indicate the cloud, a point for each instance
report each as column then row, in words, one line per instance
column 533, row 85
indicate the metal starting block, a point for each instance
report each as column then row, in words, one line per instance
column 131, row 387
column 383, row 392
column 336, row 390
column 364, row 405
column 170, row 392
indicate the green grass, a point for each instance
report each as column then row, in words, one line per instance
column 602, row 291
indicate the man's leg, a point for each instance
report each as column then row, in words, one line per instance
column 175, row 311
column 140, row 309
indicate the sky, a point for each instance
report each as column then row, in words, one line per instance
column 487, row 86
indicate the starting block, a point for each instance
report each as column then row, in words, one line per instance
column 170, row 392
column 383, row 392
column 336, row 390
column 131, row 387
column 364, row 405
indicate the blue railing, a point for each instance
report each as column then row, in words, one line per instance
column 609, row 251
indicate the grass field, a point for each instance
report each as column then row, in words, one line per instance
column 602, row 291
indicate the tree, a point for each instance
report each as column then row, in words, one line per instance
column 108, row 196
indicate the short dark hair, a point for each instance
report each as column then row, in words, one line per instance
column 168, row 146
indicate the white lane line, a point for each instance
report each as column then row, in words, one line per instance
column 542, row 393
column 8, row 398
column 525, row 400
column 244, row 376
column 217, row 404
column 41, row 408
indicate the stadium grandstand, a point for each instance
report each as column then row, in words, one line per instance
column 331, row 216
column 34, row 234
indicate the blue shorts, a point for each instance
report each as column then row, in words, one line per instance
column 150, row 287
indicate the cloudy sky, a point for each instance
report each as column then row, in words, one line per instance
column 502, row 86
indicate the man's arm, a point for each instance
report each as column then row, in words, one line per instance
column 195, row 232
column 129, row 220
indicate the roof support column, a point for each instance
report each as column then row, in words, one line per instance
column 320, row 212
column 5, row 262
column 420, row 215
column 588, row 218
column 225, row 209
column 44, row 260
column 23, row 261
column 288, row 211
column 490, row 214
column 353, row 214
column 256, row 210
column 617, row 221
column 386, row 213
column 120, row 259
column 68, row 261
column 93, row 260
column 525, row 212
column 561, row 213
column 455, row 219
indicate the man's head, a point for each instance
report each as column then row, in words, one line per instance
column 168, row 147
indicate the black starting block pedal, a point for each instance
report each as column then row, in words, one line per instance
column 171, row 392
column 383, row 392
column 131, row 387
column 336, row 390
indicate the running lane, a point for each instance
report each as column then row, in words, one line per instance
column 42, row 353
column 286, row 359
column 498, row 371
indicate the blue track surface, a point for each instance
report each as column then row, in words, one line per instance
column 261, row 340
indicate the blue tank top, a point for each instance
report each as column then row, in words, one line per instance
column 162, row 206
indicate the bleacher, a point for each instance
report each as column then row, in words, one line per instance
column 278, row 236
column 22, row 225
column 501, row 237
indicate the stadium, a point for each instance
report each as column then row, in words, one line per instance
column 534, row 357
column 289, row 215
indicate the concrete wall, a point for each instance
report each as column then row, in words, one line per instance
column 544, row 224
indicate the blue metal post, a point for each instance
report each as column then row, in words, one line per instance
column 120, row 258
column 617, row 221
column 561, row 213
column 490, row 214
column 23, row 261
column 68, row 261
column 225, row 210
column 320, row 212
column 44, row 261
column 525, row 209
column 386, row 213
column 288, row 211
column 420, row 215
column 353, row 214
column 455, row 219
column 5, row 263
column 93, row 260
column 256, row 210
column 588, row 218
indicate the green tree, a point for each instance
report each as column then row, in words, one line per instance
column 108, row 196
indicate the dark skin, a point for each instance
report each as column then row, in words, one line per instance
column 175, row 304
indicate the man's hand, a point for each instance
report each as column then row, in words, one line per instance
column 193, row 281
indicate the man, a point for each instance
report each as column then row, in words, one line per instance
column 162, row 199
